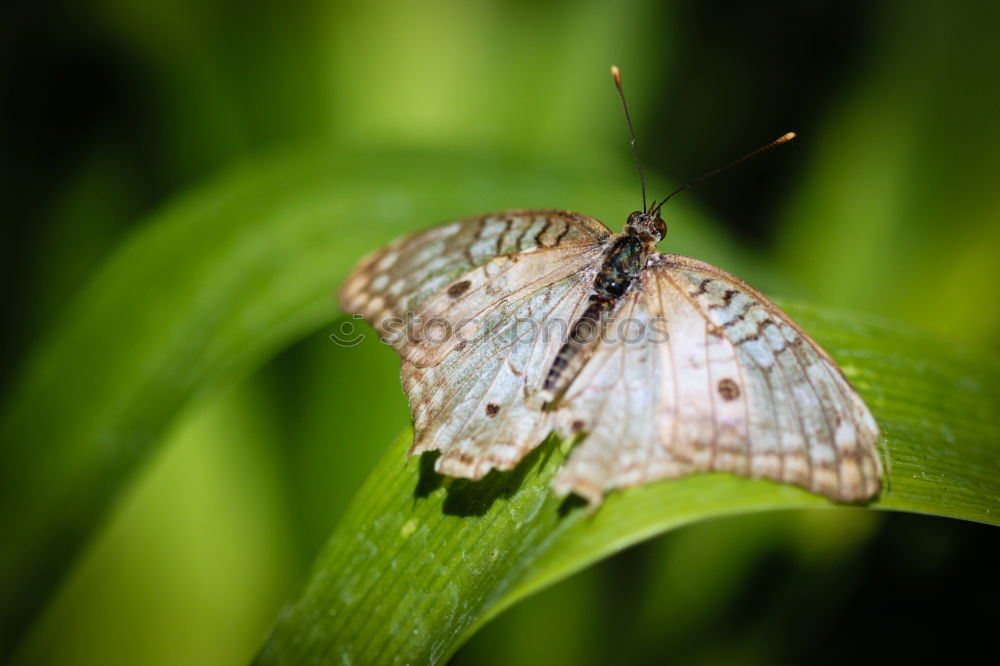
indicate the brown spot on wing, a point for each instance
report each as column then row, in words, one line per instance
column 492, row 409
column 459, row 288
column 728, row 389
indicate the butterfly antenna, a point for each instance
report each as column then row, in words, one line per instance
column 631, row 132
column 777, row 142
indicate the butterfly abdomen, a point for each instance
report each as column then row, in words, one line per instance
column 625, row 259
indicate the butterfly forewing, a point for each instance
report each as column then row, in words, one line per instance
column 399, row 278
column 490, row 296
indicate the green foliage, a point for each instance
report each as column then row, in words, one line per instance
column 901, row 192
column 203, row 293
column 181, row 437
column 419, row 562
column 234, row 271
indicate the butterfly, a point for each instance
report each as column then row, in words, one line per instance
column 517, row 324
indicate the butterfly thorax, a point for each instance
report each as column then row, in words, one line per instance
column 624, row 260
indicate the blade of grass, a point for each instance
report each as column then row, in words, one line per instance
column 419, row 562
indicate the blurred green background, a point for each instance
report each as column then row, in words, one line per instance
column 888, row 203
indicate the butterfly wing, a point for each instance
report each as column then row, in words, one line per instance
column 474, row 405
column 400, row 277
column 491, row 299
column 732, row 385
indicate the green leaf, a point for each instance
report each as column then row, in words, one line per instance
column 419, row 562
column 206, row 291
column 228, row 275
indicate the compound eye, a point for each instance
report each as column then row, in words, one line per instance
column 634, row 217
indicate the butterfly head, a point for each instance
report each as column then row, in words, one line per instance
column 650, row 227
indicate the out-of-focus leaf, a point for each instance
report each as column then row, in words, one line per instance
column 900, row 213
column 196, row 546
column 207, row 290
column 419, row 562
column 673, row 594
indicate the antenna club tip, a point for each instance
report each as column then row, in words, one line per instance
column 616, row 73
column 787, row 137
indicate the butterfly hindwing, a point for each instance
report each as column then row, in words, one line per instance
column 472, row 403
column 735, row 387
column 616, row 402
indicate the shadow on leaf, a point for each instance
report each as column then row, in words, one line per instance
column 467, row 497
